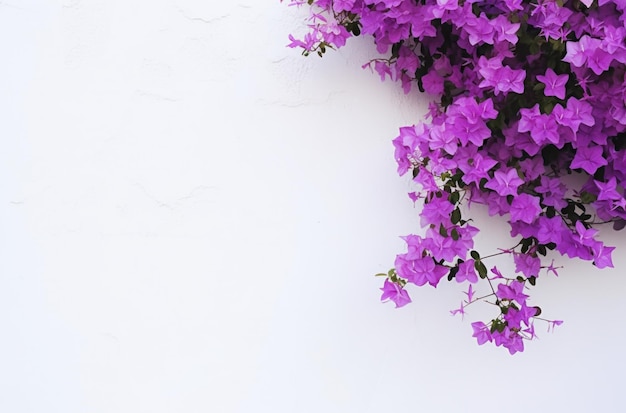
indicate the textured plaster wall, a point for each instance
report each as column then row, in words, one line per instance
column 191, row 214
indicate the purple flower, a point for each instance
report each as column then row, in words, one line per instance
column 466, row 272
column 588, row 158
column 602, row 256
column 528, row 118
column 505, row 183
column 544, row 128
column 334, row 33
column 509, row 339
column 585, row 235
column 442, row 139
column 550, row 229
column 343, row 5
column 513, row 291
column 579, row 52
column 419, row 271
column 504, row 29
column 527, row 264
column 392, row 291
column 481, row 332
column 476, row 167
column 579, row 112
column 525, row 208
column 555, row 84
column 509, row 80
column 608, row 190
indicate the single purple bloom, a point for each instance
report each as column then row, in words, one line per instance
column 504, row 29
column 555, row 84
column 510, row 339
column 527, row 264
column 433, row 83
column 487, row 110
column 442, row 139
column 544, row 128
column 343, row 5
column 466, row 272
column 481, row 332
column 579, row 111
column 550, row 229
column 437, row 211
column 510, row 80
column 392, row 291
column 599, row 61
column 479, row 30
column 602, row 256
column 578, row 52
column 608, row 190
column 335, row 34
column 505, row 183
column 528, row 117
column 585, row 236
column 525, row 208
column 588, row 158
column 476, row 168
column 514, row 291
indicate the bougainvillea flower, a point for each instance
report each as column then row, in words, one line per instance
column 505, row 182
column 466, row 272
column 578, row 52
column 555, row 84
column 523, row 93
column 525, row 208
column 481, row 332
column 588, row 158
column 392, row 291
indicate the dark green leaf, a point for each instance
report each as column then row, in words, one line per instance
column 442, row 231
column 454, row 197
column 453, row 272
column 455, row 217
column 480, row 267
column 454, row 234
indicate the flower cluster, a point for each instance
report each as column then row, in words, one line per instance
column 528, row 92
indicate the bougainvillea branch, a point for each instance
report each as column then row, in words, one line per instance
column 527, row 92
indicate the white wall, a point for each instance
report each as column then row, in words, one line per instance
column 191, row 214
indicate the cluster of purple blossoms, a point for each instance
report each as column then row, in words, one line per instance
column 527, row 93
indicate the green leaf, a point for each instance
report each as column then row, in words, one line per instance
column 541, row 249
column 475, row 255
column 532, row 280
column 442, row 231
column 454, row 197
column 480, row 267
column 453, row 272
column 454, row 234
column 455, row 217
